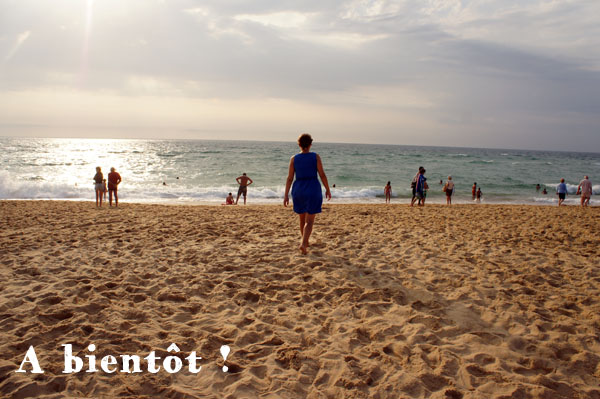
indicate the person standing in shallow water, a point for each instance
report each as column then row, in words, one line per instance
column 449, row 190
column 585, row 189
column 420, row 187
column 387, row 190
column 413, row 186
column 114, row 179
column 99, row 186
column 244, row 181
column 561, row 191
column 306, row 190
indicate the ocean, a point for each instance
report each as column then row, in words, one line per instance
column 198, row 171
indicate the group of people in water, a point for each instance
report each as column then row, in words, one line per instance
column 419, row 188
column 584, row 189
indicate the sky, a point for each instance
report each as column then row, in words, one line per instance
column 490, row 73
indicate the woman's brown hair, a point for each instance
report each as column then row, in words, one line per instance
column 305, row 140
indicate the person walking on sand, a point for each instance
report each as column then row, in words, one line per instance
column 306, row 190
column 244, row 181
column 474, row 190
column 585, row 189
column 387, row 190
column 114, row 179
column 99, row 186
column 561, row 191
column 449, row 190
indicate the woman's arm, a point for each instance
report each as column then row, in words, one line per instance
column 288, row 183
column 323, row 177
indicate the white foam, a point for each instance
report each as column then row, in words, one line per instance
column 571, row 188
column 40, row 189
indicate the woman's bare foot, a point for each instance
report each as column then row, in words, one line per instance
column 302, row 249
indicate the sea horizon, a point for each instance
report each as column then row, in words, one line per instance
column 294, row 141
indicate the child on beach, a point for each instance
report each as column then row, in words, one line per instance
column 388, row 192
column 104, row 189
column 449, row 190
column 479, row 194
column 229, row 200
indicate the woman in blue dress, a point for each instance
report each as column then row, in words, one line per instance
column 306, row 191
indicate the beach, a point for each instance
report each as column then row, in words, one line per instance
column 461, row 301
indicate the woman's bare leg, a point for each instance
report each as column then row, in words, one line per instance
column 309, row 222
column 302, row 222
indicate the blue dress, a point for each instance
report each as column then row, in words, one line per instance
column 306, row 191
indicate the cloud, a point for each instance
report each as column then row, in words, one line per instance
column 278, row 19
column 453, row 71
column 21, row 38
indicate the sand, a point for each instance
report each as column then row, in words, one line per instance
column 468, row 301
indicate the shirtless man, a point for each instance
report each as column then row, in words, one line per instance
column 244, row 181
column 585, row 188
